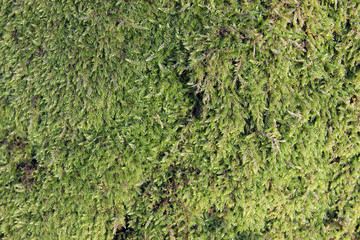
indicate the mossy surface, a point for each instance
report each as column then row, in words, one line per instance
column 179, row 119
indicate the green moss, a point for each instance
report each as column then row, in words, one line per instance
column 179, row 120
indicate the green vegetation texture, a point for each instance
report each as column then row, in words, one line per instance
column 174, row 119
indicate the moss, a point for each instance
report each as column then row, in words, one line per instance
column 179, row 120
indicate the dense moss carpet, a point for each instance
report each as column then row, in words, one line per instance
column 197, row 119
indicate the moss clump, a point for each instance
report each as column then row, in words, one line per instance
column 179, row 119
